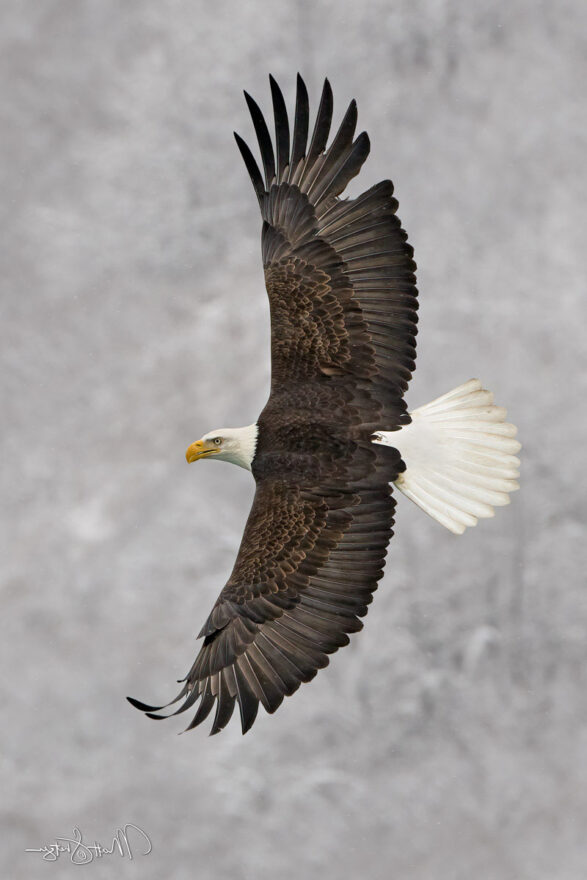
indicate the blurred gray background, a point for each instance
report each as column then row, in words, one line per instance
column 449, row 740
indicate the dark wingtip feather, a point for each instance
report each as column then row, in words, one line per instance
column 344, row 137
column 323, row 122
column 264, row 139
column 247, row 702
column 361, row 148
column 204, row 708
column 249, row 720
column 254, row 174
column 281, row 128
column 349, row 163
column 143, row 707
column 301, row 123
column 224, row 709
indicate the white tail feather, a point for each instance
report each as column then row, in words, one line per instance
column 460, row 456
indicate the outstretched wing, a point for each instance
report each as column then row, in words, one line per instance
column 339, row 273
column 341, row 285
column 309, row 561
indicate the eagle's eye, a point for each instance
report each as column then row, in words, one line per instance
column 217, row 441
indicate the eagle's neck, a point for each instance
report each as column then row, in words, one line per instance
column 241, row 446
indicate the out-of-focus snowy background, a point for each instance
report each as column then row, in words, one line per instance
column 449, row 741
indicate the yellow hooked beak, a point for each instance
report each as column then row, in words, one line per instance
column 200, row 449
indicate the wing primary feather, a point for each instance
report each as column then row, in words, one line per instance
column 191, row 699
column 144, row 707
column 344, row 136
column 204, row 708
column 224, row 707
column 247, row 702
column 345, row 169
column 281, row 128
column 228, row 673
column 264, row 139
column 214, row 680
column 251, row 165
column 301, row 123
column 322, row 126
column 254, row 683
column 273, row 685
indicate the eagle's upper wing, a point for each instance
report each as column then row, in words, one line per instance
column 309, row 561
column 339, row 273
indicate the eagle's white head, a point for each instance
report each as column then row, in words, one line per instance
column 236, row 445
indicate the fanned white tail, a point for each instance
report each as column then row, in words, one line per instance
column 460, row 456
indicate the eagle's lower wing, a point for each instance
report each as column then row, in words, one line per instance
column 339, row 273
column 309, row 561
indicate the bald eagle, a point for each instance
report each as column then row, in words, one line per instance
column 335, row 434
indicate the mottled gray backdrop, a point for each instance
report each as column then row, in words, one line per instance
column 449, row 741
